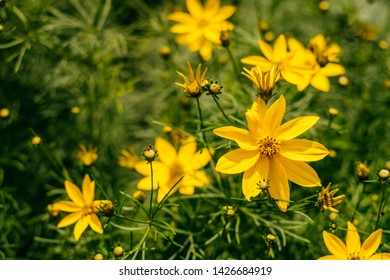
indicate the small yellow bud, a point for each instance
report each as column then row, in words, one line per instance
column 149, row 153
column 53, row 211
column 230, row 213
column 1, row 28
column 333, row 111
column 4, row 113
column 333, row 216
column 263, row 26
column 98, row 257
column 167, row 129
column 332, row 153
column 324, row 5
column 343, row 81
column 215, row 89
column 384, row 174
column 225, row 38
column 139, row 195
column 383, row 44
column 165, row 52
column 271, row 238
column 362, row 170
column 375, row 198
column 356, row 222
column 36, row 140
column 75, row 110
column 105, row 207
column 118, row 251
column 263, row 184
column 333, row 226
column 269, row 36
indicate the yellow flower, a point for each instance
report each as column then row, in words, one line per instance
column 81, row 207
column 353, row 249
column 326, row 199
column 292, row 64
column 264, row 81
column 195, row 86
column 362, row 170
column 172, row 166
column 87, row 156
column 201, row 27
column 268, row 153
column 128, row 158
column 324, row 53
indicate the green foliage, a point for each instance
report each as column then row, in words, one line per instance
column 91, row 72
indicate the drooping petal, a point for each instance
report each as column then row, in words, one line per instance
column 253, row 176
column 237, row 161
column 303, row 150
column 80, row 227
column 67, row 206
column 88, row 188
column 335, row 245
column 380, row 256
column 299, row 172
column 274, row 116
column 166, row 152
column 70, row 219
column 95, row 224
column 242, row 137
column 296, row 127
column 279, row 188
column 371, row 244
column 353, row 240
column 74, row 193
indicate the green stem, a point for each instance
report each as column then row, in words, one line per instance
column 131, row 220
column 380, row 206
column 222, row 111
column 136, row 248
column 358, row 202
column 231, row 58
column 98, row 185
column 151, row 190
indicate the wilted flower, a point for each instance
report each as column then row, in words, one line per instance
column 326, row 199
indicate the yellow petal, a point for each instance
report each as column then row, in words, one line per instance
column 332, row 69
column 166, row 152
column 74, row 193
column 224, row 13
column 264, row 63
column 67, row 206
column 181, row 17
column 88, row 190
column 371, row 244
column 187, row 189
column 279, row 188
column 70, row 219
column 182, row 28
column 237, row 161
column 201, row 158
column 320, row 82
column 242, row 137
column 274, row 116
column 80, row 227
column 95, row 224
column 293, row 77
column 267, row 50
column 335, row 246
column 329, row 257
column 296, row 127
column 380, row 256
column 187, row 150
column 299, row 172
column 280, row 48
column 253, row 176
column 195, row 8
column 302, row 150
column 353, row 240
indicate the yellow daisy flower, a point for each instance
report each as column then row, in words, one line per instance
column 201, row 27
column 196, row 84
column 87, row 156
column 353, row 249
column 82, row 208
column 268, row 155
column 172, row 166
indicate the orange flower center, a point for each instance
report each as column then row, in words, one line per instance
column 268, row 146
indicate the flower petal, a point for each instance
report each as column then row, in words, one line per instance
column 280, row 48
column 332, row 69
column 187, row 150
column 95, row 224
column 296, row 127
column 201, row 158
column 299, row 172
column 371, row 244
column 274, row 116
column 329, row 257
column 264, row 63
column 335, row 246
column 166, row 152
column 253, row 176
column 302, row 150
column 380, row 256
column 279, row 188
column 70, row 219
column 88, row 190
column 67, row 206
column 353, row 240
column 195, row 8
column 267, row 50
column 80, row 227
column 74, row 193
column 320, row 82
column 237, row 161
column 242, row 137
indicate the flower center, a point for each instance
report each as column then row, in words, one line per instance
column 87, row 209
column 354, row 256
column 268, row 146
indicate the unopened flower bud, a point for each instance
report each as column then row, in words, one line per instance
column 139, row 195
column 384, row 174
column 333, row 112
column 105, row 207
column 149, row 153
column 230, row 213
column 362, row 170
column 165, row 52
column 4, row 113
column 118, row 251
column 343, row 81
column 225, row 38
column 36, row 140
column 98, row 257
column 215, row 89
column 271, row 238
column 53, row 211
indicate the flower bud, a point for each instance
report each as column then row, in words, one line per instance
column 271, row 238
column 149, row 153
column 225, row 38
column 118, row 251
column 384, row 174
column 362, row 170
column 4, row 113
column 105, row 207
column 36, row 140
column 333, row 112
column 53, row 211
column 139, row 195
column 165, row 52
column 98, row 257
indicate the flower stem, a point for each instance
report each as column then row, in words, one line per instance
column 232, row 60
column 358, row 202
column 222, row 111
column 380, row 206
column 151, row 190
column 136, row 248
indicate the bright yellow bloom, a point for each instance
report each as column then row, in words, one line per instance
column 172, row 166
column 195, row 86
column 82, row 208
column 201, row 27
column 268, row 153
column 264, row 81
column 353, row 249
column 292, row 64
column 87, row 156
column 325, row 53
column 128, row 158
column 326, row 199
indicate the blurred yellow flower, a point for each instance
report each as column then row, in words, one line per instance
column 4, row 113
column 196, row 84
column 128, row 158
column 353, row 249
column 292, row 64
column 81, row 207
column 200, row 28
column 362, row 170
column 264, row 81
column 36, row 140
column 87, row 156
column 172, row 166
column 267, row 152
column 326, row 199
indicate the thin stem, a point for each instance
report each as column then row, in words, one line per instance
column 136, row 248
column 358, row 202
column 222, row 111
column 231, row 58
column 98, row 185
column 151, row 190
column 380, row 206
